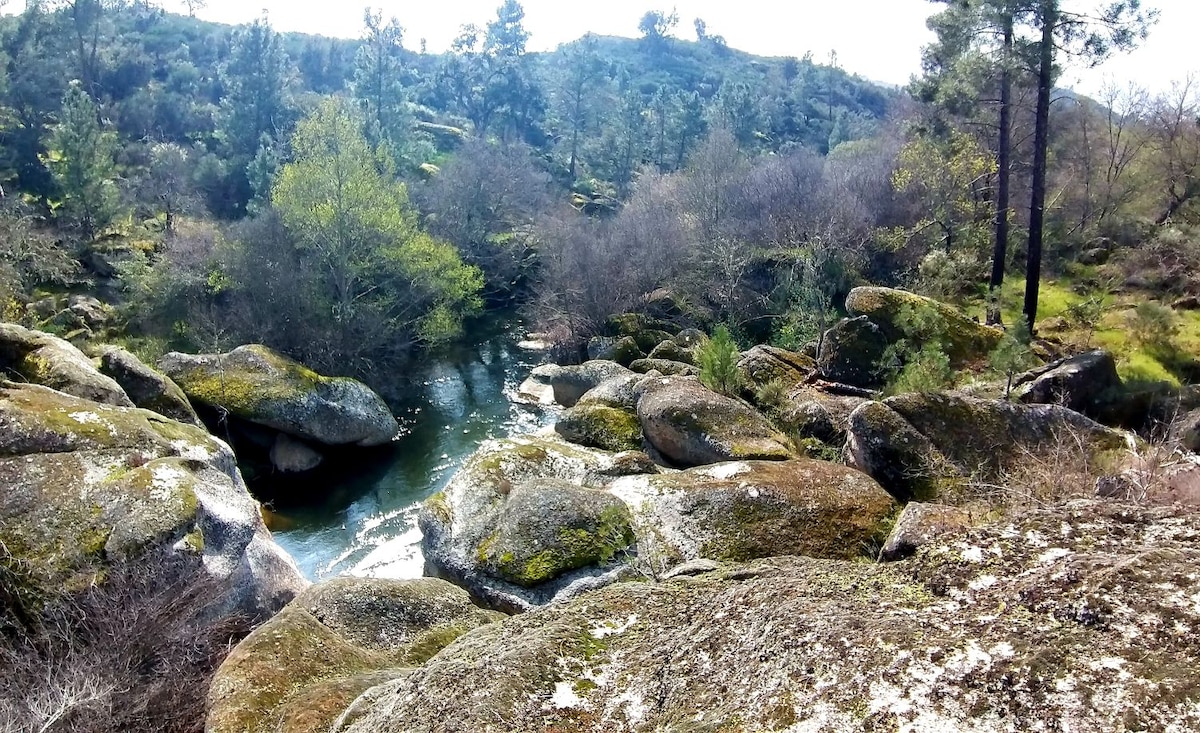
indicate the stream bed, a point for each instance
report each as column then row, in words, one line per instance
column 366, row 522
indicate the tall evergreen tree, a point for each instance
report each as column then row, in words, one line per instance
column 82, row 159
column 1090, row 38
column 256, row 109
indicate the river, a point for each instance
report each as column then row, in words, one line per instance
column 366, row 523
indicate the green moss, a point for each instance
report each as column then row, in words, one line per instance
column 603, row 427
column 439, row 507
column 194, row 541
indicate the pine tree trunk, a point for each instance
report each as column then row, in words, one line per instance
column 1041, row 140
column 1000, row 252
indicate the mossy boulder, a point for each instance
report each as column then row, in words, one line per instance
column 813, row 414
column 149, row 389
column 752, row 509
column 40, row 358
column 1078, row 617
column 920, row 446
column 301, row 669
column 763, row 365
column 260, row 386
column 84, row 485
column 461, row 519
column 673, row 351
column 622, row 350
column 691, row 425
column 599, row 426
column 964, row 339
column 548, row 528
column 853, row 352
column 665, row 367
column 572, row 382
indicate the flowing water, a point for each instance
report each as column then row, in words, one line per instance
column 366, row 523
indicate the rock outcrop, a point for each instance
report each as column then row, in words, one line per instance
column 920, row 445
column 919, row 525
column 852, row 352
column 693, row 426
column 84, row 484
column 763, row 365
column 1080, row 617
column 260, row 386
column 149, row 389
column 300, row 670
column 1082, row 383
column 462, row 524
column 572, row 382
column 754, row 509
column 40, row 358
column 965, row 340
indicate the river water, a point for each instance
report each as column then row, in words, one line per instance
column 366, row 521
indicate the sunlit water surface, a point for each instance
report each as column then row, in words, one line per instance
column 366, row 524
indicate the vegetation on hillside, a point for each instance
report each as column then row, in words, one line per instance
column 350, row 202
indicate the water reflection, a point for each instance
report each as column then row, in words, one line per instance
column 365, row 523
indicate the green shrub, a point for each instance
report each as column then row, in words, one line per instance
column 1013, row 355
column 927, row 370
column 718, row 359
column 772, row 396
column 1153, row 327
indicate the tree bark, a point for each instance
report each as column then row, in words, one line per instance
column 1037, row 204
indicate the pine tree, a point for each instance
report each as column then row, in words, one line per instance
column 82, row 161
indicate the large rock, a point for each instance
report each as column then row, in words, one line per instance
column 1078, row 618
column 459, row 523
column 300, row 670
column 813, row 414
column 1082, row 383
column 852, row 353
column 260, row 386
column 965, row 340
column 754, row 509
column 673, row 351
column 919, row 525
column 536, row 389
column 762, row 365
column 622, row 350
column 921, row 445
column 572, row 382
column 665, row 367
column 600, row 426
column 83, row 485
column 693, row 426
column 622, row 392
column 52, row 362
column 548, row 528
column 149, row 389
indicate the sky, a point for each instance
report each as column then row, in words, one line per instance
column 877, row 39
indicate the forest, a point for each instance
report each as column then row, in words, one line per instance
column 354, row 202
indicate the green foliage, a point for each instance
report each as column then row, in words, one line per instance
column 1154, row 327
column 1014, row 355
column 378, row 271
column 919, row 362
column 926, row 370
column 82, row 160
column 772, row 396
column 718, row 359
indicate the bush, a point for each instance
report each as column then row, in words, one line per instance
column 134, row 653
column 1153, row 327
column 718, row 359
column 927, row 370
column 772, row 396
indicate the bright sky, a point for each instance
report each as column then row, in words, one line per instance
column 877, row 39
